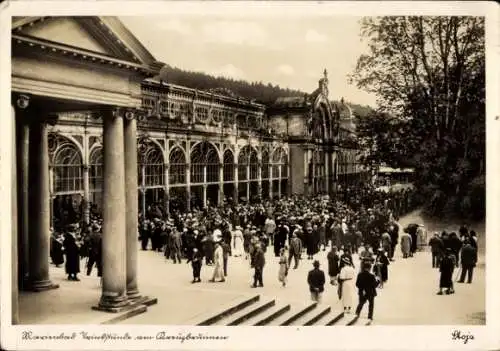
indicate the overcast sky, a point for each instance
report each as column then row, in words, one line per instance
column 291, row 52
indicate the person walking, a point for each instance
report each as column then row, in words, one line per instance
column 295, row 250
column 446, row 268
column 437, row 249
column 71, row 250
column 56, row 248
column 226, row 251
column 218, row 274
column 237, row 242
column 333, row 265
column 406, row 244
column 316, row 281
column 283, row 262
column 367, row 290
column 468, row 259
column 381, row 267
column 346, row 284
column 258, row 263
column 176, row 246
column 196, row 262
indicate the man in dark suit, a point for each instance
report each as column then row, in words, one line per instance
column 316, row 281
column 367, row 289
column 258, row 262
column 468, row 259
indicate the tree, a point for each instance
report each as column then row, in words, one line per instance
column 428, row 72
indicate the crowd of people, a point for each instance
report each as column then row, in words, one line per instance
column 358, row 221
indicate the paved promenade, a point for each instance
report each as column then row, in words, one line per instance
column 409, row 298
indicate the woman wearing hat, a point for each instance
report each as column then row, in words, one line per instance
column 218, row 263
column 381, row 267
column 446, row 268
column 283, row 262
column 346, row 284
column 237, row 242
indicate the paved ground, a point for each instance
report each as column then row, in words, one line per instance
column 409, row 298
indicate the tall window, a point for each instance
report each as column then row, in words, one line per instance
column 280, row 160
column 151, row 158
column 265, row 164
column 204, row 158
column 177, row 170
column 68, row 172
column 228, row 166
column 95, row 169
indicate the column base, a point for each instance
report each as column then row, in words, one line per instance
column 41, row 285
column 113, row 304
column 143, row 300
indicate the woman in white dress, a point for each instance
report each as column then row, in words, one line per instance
column 347, row 287
column 218, row 275
column 237, row 242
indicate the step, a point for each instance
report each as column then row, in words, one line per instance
column 269, row 315
column 246, row 313
column 314, row 315
column 212, row 317
column 296, row 311
column 349, row 319
column 330, row 318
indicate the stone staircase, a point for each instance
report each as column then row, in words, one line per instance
column 266, row 311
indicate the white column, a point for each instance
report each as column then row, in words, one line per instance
column 86, row 194
column 23, row 197
column 271, row 180
column 143, row 190
column 279, row 181
column 248, row 183
column 167, row 189
column 39, row 208
column 204, row 186
column 188, row 185
column 327, row 175
column 221, row 183
column 114, row 250
column 131, row 218
column 259, row 179
column 236, row 190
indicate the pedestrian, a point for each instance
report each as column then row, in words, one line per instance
column 469, row 260
column 196, row 262
column 218, row 275
column 295, row 250
column 367, row 290
column 237, row 242
column 333, row 265
column 456, row 246
column 95, row 251
column 72, row 256
column 346, row 284
column 283, row 262
column 226, row 250
column 437, row 249
column 258, row 263
column 316, row 281
column 406, row 244
column 381, row 267
column 446, row 268
column 310, row 242
column 56, row 248
column 366, row 255
column 176, row 245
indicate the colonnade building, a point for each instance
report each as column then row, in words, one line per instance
column 96, row 130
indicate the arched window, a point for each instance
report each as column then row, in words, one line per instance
column 254, row 164
column 204, row 158
column 96, row 169
column 243, row 159
column 177, row 163
column 67, row 163
column 228, row 166
column 265, row 163
column 150, row 157
column 280, row 160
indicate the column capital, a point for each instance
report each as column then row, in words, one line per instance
column 22, row 101
column 85, row 167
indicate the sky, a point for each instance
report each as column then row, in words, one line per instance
column 289, row 51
